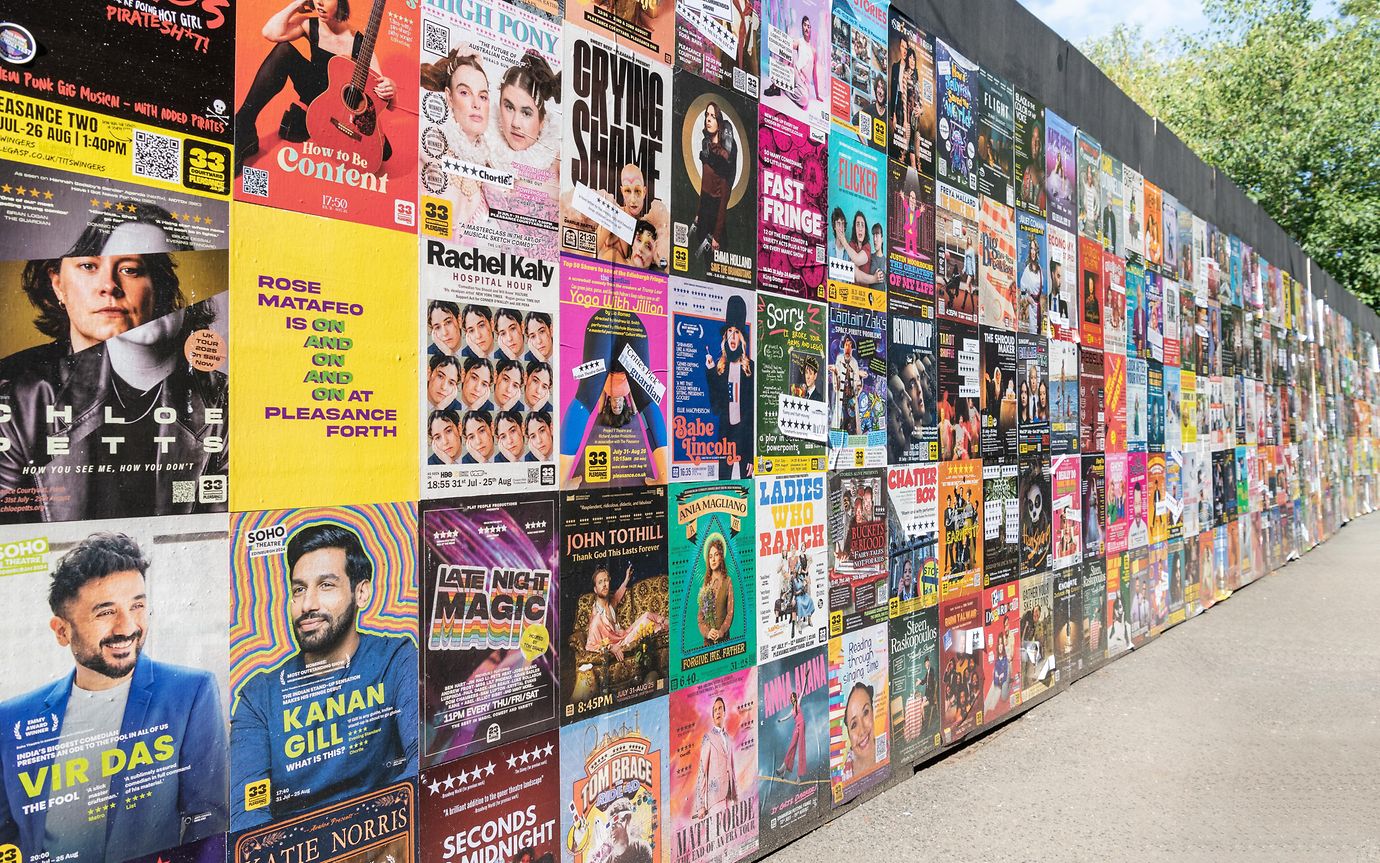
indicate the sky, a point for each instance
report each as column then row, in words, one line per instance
column 1080, row 20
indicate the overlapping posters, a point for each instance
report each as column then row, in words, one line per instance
column 913, row 389
column 713, row 587
column 98, row 58
column 999, row 394
column 330, row 146
column 1064, row 315
column 1064, row 422
column 1090, row 191
column 792, row 410
column 1060, row 168
column 115, row 714
column 467, row 805
column 857, row 217
column 858, row 386
column 323, row 670
column 713, row 181
column 793, row 199
column 858, row 577
column 490, row 633
column 792, row 559
column 961, row 538
column 910, row 240
column 1032, row 394
column 1036, row 505
column 648, row 30
column 1029, row 156
column 616, row 154
column 995, row 131
column 913, row 536
column 1001, row 665
column 1032, row 272
column 488, row 369
column 998, row 265
column 1001, row 521
column 614, row 633
column 961, row 666
column 956, row 254
column 490, row 130
column 714, row 375
column 960, row 420
column 914, row 684
column 1066, row 507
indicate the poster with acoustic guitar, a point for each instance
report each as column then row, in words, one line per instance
column 326, row 103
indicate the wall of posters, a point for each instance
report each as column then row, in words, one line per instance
column 792, row 564
column 659, row 424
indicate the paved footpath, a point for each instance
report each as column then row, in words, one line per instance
column 1251, row 732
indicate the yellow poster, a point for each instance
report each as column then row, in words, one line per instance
column 324, row 407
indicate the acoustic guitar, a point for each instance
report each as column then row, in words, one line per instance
column 345, row 117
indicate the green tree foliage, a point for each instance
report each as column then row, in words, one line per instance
column 1282, row 96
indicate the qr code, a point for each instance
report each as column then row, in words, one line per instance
column 435, row 38
column 533, row 475
column 254, row 182
column 184, row 491
column 158, row 157
column 680, row 234
column 819, row 254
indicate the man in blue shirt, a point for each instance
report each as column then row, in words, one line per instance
column 70, row 746
column 338, row 718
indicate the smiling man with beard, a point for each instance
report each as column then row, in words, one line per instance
column 118, row 716
column 339, row 716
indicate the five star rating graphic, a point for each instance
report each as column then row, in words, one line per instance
column 463, row 776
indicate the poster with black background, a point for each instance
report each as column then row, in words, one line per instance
column 489, row 605
column 102, row 57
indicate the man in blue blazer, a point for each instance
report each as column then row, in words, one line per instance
column 142, row 740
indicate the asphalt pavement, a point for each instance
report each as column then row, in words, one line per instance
column 1251, row 732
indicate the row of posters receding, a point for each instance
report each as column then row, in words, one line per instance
column 789, row 398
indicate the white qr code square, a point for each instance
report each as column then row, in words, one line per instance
column 254, row 181
column 184, row 491
column 819, row 254
column 158, row 157
column 435, row 38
